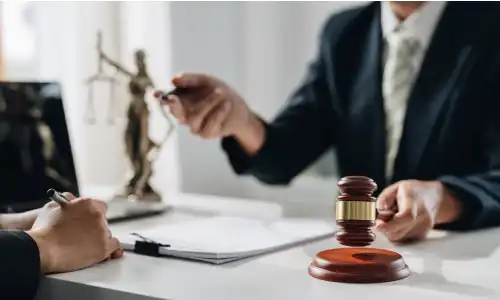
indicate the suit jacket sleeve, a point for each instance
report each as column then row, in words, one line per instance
column 19, row 265
column 300, row 133
column 479, row 193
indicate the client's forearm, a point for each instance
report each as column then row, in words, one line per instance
column 21, row 221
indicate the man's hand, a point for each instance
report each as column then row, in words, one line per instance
column 73, row 237
column 419, row 205
column 212, row 109
column 25, row 220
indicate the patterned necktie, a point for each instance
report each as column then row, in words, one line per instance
column 399, row 74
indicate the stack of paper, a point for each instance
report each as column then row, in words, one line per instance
column 223, row 239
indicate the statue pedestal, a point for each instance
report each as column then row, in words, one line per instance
column 123, row 207
column 147, row 198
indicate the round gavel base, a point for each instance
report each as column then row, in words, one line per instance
column 358, row 265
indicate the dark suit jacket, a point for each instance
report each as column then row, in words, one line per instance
column 19, row 265
column 452, row 128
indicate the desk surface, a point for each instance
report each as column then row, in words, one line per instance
column 447, row 266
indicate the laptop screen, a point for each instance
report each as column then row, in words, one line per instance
column 35, row 148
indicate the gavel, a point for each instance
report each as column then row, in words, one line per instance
column 356, row 211
column 355, row 214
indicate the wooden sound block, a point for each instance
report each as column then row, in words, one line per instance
column 358, row 265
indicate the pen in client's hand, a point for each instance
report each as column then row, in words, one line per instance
column 62, row 201
column 57, row 197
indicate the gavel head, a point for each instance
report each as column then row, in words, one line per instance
column 356, row 211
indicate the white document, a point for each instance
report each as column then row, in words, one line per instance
column 223, row 239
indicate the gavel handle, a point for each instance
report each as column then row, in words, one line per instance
column 386, row 214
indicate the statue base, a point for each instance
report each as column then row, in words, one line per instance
column 126, row 193
column 358, row 265
column 147, row 198
column 124, row 207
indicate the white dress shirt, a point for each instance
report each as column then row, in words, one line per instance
column 420, row 27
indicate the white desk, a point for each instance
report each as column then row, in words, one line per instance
column 463, row 266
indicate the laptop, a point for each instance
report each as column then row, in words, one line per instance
column 36, row 152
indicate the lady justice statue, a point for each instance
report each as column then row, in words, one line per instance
column 141, row 150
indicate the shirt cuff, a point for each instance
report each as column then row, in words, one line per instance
column 238, row 159
column 470, row 208
column 241, row 162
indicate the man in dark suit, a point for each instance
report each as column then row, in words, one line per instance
column 56, row 240
column 407, row 94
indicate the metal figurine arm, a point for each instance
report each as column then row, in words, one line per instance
column 99, row 76
column 105, row 58
column 151, row 84
column 172, row 125
column 114, row 64
column 171, row 121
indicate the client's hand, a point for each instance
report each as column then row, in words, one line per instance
column 49, row 213
column 25, row 220
column 73, row 237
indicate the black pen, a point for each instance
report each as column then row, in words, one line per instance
column 177, row 92
column 57, row 197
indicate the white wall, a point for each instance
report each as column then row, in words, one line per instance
column 66, row 35
column 207, row 37
column 261, row 49
column 66, row 41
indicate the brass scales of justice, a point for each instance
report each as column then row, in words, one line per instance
column 141, row 151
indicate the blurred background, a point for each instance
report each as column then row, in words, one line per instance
column 260, row 48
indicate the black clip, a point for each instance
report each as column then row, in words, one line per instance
column 147, row 246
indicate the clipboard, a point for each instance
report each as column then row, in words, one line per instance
column 222, row 239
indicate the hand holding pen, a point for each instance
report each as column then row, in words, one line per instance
column 62, row 200
column 57, row 197
column 72, row 233
column 208, row 106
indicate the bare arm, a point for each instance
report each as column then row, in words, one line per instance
column 21, row 221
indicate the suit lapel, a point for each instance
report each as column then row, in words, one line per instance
column 446, row 60
column 366, row 112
